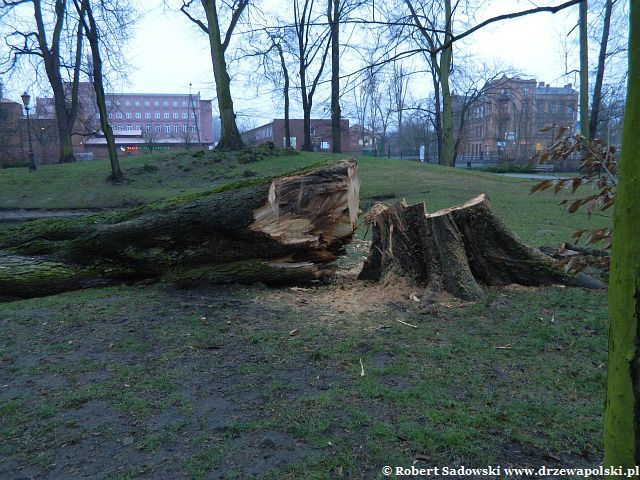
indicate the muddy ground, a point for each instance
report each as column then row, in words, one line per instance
column 325, row 381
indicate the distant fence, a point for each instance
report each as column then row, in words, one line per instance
column 479, row 162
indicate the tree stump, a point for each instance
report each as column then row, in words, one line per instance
column 277, row 230
column 456, row 250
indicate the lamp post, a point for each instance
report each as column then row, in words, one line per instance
column 32, row 159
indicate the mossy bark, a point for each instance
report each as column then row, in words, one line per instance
column 272, row 231
column 455, row 250
column 622, row 411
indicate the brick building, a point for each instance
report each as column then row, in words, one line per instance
column 140, row 121
column 320, row 134
column 14, row 144
column 506, row 119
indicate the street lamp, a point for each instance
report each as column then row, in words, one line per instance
column 32, row 159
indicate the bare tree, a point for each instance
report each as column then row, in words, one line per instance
column 150, row 137
column 313, row 44
column 112, row 12
column 230, row 138
column 53, row 33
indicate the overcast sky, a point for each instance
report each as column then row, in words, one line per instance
column 167, row 53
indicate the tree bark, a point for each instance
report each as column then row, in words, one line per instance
column 230, row 138
column 455, row 250
column 274, row 231
column 622, row 411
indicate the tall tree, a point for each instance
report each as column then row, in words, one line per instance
column 313, row 44
column 337, row 12
column 622, row 411
column 230, row 138
column 434, row 22
column 52, row 34
column 584, row 70
column 602, row 57
column 94, row 36
column 333, row 17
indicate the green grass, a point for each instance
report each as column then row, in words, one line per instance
column 202, row 377
column 538, row 218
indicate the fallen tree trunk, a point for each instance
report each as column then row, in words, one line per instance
column 456, row 250
column 270, row 230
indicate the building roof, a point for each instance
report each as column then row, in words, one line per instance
column 6, row 100
column 546, row 90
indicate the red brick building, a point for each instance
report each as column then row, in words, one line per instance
column 140, row 121
column 320, row 134
column 506, row 119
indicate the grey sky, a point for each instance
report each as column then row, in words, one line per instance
column 167, row 53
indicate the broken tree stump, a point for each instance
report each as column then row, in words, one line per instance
column 456, row 250
column 277, row 230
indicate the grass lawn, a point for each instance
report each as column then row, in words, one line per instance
column 149, row 381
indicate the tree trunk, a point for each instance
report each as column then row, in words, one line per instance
column 93, row 36
column 336, row 114
column 602, row 56
column 444, row 71
column 65, row 116
column 455, row 250
column 584, row 71
column 622, row 411
column 230, row 138
column 285, row 74
column 274, row 231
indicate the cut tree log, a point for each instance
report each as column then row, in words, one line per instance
column 456, row 250
column 279, row 230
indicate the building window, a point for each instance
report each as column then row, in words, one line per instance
column 324, row 145
column 108, row 103
column 127, row 115
column 137, row 103
column 193, row 115
column 167, row 129
column 166, row 115
column 147, row 103
column 165, row 104
column 147, row 114
column 119, row 127
column 156, row 115
column 194, row 129
column 158, row 128
column 138, row 115
column 176, row 115
column 129, row 128
column 176, row 128
column 118, row 114
column 127, row 103
column 175, row 104
column 184, row 103
column 109, row 115
column 185, row 129
column 148, row 128
column 312, row 131
column 156, row 103
column 185, row 115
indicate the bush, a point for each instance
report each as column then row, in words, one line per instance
column 509, row 168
